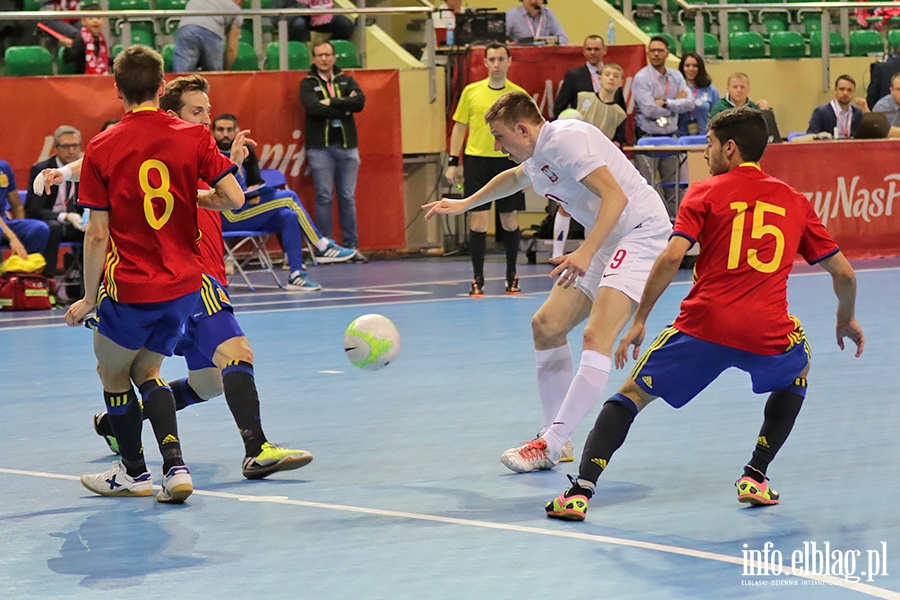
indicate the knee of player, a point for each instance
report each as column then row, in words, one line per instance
column 235, row 349
column 544, row 328
column 597, row 340
column 638, row 397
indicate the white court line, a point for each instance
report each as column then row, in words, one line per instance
column 863, row 588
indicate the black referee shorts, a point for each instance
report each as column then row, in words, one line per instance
column 479, row 170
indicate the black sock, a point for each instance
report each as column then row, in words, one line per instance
column 478, row 247
column 125, row 422
column 184, row 394
column 511, row 243
column 159, row 408
column 243, row 400
column 781, row 411
column 606, row 437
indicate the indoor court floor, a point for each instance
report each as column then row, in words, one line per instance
column 407, row 498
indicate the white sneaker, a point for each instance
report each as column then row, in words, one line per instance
column 567, row 454
column 531, row 457
column 117, row 482
column 177, row 486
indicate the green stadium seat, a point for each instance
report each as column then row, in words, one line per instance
column 687, row 21
column 787, row 44
column 689, row 44
column 298, row 56
column 649, row 23
column 116, row 50
column 811, row 21
column 168, row 54
column 268, row 25
column 32, row 5
column 864, row 42
column 748, row 44
column 893, row 39
column 774, row 20
column 143, row 32
column 171, row 23
column 246, row 59
column 28, row 60
column 836, row 43
column 738, row 21
column 62, row 67
column 347, row 57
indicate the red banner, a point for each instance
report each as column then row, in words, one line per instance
column 267, row 103
column 853, row 185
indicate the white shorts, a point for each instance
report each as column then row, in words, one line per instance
column 625, row 265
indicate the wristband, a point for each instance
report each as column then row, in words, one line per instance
column 61, row 217
column 453, row 161
column 66, row 171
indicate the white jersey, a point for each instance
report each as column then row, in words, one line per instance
column 566, row 152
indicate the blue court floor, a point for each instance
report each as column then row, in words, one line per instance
column 407, row 498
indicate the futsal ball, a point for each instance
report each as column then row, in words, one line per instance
column 570, row 113
column 371, row 342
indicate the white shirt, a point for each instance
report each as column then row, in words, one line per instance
column 566, row 152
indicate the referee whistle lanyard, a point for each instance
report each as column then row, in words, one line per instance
column 844, row 118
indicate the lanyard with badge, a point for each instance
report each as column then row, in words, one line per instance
column 535, row 32
column 663, row 121
column 331, row 94
column 844, row 119
column 693, row 126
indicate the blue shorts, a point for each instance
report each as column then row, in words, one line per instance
column 211, row 323
column 676, row 367
column 155, row 326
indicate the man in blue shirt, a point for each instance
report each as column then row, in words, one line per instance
column 660, row 95
column 532, row 20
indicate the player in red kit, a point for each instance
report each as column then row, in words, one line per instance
column 750, row 227
column 139, row 179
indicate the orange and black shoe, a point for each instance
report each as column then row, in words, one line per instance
column 753, row 492
column 477, row 289
column 512, row 285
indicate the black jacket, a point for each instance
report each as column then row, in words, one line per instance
column 578, row 80
column 881, row 74
column 320, row 131
column 41, row 207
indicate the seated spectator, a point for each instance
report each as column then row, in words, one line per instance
column 87, row 51
column 532, row 20
column 880, row 83
column 738, row 86
column 890, row 103
column 840, row 117
column 339, row 26
column 65, row 27
column 24, row 236
column 703, row 92
column 208, row 43
column 57, row 209
column 225, row 129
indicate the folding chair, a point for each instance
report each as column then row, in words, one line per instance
column 255, row 241
column 275, row 179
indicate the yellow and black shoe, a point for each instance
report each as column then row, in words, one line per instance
column 753, row 492
column 273, row 458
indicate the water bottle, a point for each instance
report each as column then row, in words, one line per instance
column 450, row 37
column 611, row 33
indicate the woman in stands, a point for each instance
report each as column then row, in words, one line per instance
column 705, row 95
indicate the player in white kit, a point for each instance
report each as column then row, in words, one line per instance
column 626, row 228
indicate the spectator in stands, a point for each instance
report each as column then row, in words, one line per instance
column 738, row 86
column 660, row 95
column 208, row 43
column 840, row 117
column 882, row 73
column 225, row 129
column 66, row 27
column 702, row 91
column 57, row 209
column 890, row 103
column 531, row 21
column 87, row 51
column 24, row 236
column 330, row 98
column 585, row 78
column 339, row 26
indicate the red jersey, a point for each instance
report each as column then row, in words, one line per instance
column 750, row 227
column 145, row 171
column 212, row 245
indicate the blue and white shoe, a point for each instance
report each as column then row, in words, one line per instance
column 300, row 282
column 334, row 254
column 117, row 482
column 177, row 486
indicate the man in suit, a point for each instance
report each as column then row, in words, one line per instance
column 57, row 209
column 841, row 116
column 880, row 85
column 585, row 78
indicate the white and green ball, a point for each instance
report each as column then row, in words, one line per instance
column 571, row 113
column 371, row 342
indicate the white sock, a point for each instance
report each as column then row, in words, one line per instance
column 322, row 244
column 584, row 393
column 560, row 233
column 554, row 376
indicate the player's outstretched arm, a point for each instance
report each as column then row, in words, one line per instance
column 506, row 183
column 228, row 195
column 96, row 240
column 844, row 280
column 661, row 275
column 50, row 177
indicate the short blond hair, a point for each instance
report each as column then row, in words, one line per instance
column 512, row 108
column 614, row 67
